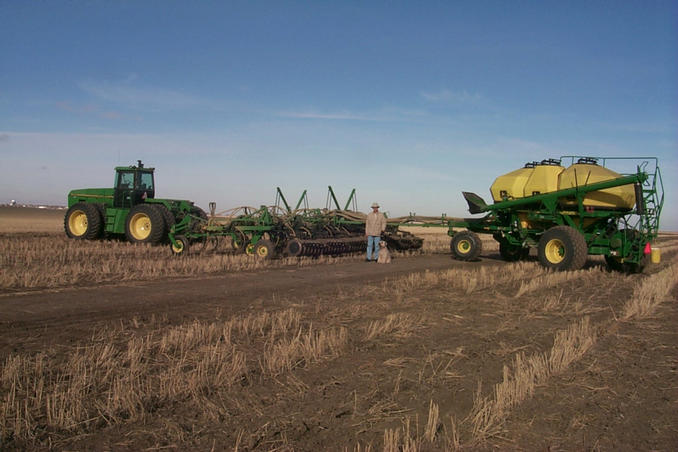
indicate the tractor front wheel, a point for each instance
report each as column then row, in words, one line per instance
column 466, row 246
column 562, row 248
column 144, row 224
column 83, row 221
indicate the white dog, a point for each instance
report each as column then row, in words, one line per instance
column 384, row 255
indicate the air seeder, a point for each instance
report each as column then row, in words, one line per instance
column 568, row 213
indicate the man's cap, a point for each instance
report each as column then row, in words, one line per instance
column 374, row 204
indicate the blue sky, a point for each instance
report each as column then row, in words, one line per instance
column 408, row 102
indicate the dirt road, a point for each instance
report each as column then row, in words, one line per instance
column 29, row 320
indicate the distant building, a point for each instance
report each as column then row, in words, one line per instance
column 12, row 203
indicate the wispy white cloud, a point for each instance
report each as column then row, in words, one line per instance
column 141, row 97
column 383, row 115
column 93, row 110
column 343, row 115
column 454, row 97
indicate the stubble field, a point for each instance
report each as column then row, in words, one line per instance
column 104, row 345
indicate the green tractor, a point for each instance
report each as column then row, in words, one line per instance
column 129, row 208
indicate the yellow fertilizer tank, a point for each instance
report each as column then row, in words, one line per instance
column 512, row 185
column 586, row 172
column 544, row 178
column 533, row 179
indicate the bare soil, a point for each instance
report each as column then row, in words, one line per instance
column 452, row 348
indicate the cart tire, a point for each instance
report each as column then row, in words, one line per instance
column 144, row 224
column 83, row 221
column 512, row 253
column 466, row 246
column 562, row 248
column 181, row 247
column 264, row 249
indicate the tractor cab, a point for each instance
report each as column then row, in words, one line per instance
column 133, row 185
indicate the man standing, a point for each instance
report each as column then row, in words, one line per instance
column 375, row 225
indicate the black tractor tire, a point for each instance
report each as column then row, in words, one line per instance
column 144, row 224
column 466, row 246
column 562, row 248
column 512, row 253
column 167, row 216
column 264, row 249
column 84, row 221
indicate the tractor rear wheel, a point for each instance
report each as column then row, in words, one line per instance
column 83, row 221
column 264, row 249
column 562, row 248
column 512, row 253
column 167, row 216
column 466, row 246
column 144, row 224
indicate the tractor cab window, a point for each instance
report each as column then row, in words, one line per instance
column 146, row 181
column 125, row 180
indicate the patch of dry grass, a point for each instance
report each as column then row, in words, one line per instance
column 551, row 279
column 466, row 280
column 121, row 381
column 56, row 261
column 520, row 380
column 302, row 349
column 399, row 325
column 650, row 292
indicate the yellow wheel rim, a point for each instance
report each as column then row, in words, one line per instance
column 179, row 247
column 249, row 249
column 77, row 223
column 463, row 246
column 140, row 226
column 262, row 251
column 554, row 251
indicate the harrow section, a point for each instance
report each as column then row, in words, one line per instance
column 280, row 230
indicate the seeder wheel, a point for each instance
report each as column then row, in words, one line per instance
column 264, row 249
column 466, row 245
column 181, row 246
